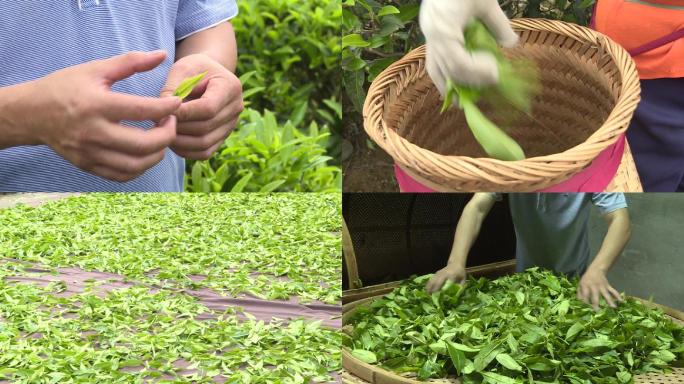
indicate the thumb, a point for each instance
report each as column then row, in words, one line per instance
column 496, row 21
column 123, row 66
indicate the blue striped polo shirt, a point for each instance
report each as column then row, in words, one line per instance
column 38, row 37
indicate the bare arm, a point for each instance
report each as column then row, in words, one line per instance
column 12, row 131
column 467, row 229
column 594, row 283
column 217, row 42
column 619, row 232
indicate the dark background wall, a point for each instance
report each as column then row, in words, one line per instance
column 399, row 235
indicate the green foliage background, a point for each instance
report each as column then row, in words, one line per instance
column 377, row 33
column 288, row 136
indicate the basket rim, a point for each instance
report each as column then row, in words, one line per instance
column 573, row 159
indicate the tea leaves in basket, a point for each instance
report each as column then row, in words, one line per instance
column 518, row 83
column 482, row 333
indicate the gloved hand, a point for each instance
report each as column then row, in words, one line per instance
column 443, row 22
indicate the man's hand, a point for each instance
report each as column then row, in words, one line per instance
column 593, row 285
column 455, row 273
column 75, row 112
column 443, row 22
column 213, row 108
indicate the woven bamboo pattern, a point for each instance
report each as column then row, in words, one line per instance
column 356, row 371
column 590, row 89
column 627, row 178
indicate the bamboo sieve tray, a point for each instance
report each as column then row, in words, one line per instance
column 356, row 371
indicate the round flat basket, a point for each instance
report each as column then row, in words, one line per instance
column 590, row 89
column 356, row 371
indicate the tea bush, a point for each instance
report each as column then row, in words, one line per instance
column 289, row 58
column 291, row 51
column 263, row 156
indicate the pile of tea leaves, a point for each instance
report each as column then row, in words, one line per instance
column 528, row 327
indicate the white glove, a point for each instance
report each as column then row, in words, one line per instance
column 443, row 22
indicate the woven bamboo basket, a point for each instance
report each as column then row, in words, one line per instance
column 356, row 371
column 590, row 89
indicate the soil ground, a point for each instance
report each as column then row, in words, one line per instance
column 366, row 167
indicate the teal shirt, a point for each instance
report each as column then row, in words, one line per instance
column 552, row 229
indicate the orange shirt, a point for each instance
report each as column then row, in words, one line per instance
column 633, row 23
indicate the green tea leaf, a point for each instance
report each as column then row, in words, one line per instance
column 457, row 358
column 485, row 356
column 186, row 86
column 598, row 343
column 512, row 343
column 630, row 358
column 520, row 297
column 665, row 355
column 562, row 308
column 496, row 378
column 574, row 330
column 427, row 370
column 624, row 377
column 365, row 356
column 508, row 362
column 463, row 348
column 494, row 141
column 439, row 347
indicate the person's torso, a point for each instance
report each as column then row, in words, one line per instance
column 633, row 23
column 551, row 230
column 40, row 37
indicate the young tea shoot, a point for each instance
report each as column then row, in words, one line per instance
column 186, row 86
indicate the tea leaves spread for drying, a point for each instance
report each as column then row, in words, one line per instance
column 138, row 333
column 524, row 328
column 135, row 334
column 237, row 243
